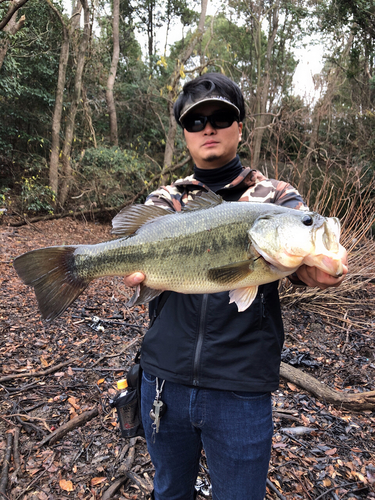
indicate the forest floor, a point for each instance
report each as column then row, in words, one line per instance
column 59, row 371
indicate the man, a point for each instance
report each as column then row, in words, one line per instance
column 212, row 367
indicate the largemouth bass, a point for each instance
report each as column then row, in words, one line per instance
column 210, row 246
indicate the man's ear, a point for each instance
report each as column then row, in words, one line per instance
column 240, row 125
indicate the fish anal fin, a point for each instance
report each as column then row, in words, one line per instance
column 206, row 200
column 142, row 295
column 232, row 273
column 130, row 219
column 51, row 272
column 243, row 297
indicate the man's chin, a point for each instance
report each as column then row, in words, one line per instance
column 212, row 158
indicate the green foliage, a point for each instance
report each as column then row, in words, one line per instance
column 3, row 196
column 109, row 176
column 28, row 82
column 35, row 196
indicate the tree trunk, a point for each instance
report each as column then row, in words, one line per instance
column 352, row 401
column 150, row 31
column 112, row 75
column 69, row 131
column 11, row 26
column 172, row 128
column 263, row 83
column 59, row 99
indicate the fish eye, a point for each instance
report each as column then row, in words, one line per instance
column 307, row 220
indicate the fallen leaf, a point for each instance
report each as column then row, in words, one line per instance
column 66, row 485
column 330, row 452
column 73, row 402
column 44, row 362
column 291, row 386
column 97, row 480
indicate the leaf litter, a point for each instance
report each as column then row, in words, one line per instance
column 56, row 376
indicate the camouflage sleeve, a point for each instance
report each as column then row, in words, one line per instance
column 273, row 191
column 167, row 197
column 287, row 196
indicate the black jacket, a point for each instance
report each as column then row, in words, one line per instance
column 202, row 340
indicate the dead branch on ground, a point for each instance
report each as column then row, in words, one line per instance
column 352, row 401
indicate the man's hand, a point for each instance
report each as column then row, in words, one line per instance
column 312, row 276
column 134, row 279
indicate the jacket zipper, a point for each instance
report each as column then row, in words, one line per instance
column 198, row 347
column 262, row 308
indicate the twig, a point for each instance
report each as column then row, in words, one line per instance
column 16, row 452
column 16, row 390
column 141, row 483
column 301, row 483
column 30, row 427
column 114, row 487
column 69, row 426
column 274, row 489
column 123, row 470
column 7, row 421
column 37, row 374
column 334, row 488
column 4, row 471
column 30, row 417
column 129, row 344
column 30, row 484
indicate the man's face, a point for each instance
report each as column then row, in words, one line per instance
column 213, row 148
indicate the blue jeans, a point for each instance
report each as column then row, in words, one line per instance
column 234, row 428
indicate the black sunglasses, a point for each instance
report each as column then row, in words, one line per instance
column 219, row 119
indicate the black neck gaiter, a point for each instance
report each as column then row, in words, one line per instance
column 217, row 178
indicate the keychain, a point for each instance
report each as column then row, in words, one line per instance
column 158, row 409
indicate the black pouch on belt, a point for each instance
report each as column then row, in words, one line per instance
column 128, row 403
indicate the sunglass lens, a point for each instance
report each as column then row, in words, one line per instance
column 222, row 119
column 194, row 123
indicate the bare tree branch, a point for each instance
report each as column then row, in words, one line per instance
column 13, row 7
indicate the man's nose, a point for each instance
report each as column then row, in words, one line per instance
column 209, row 129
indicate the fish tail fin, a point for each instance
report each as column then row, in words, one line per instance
column 52, row 273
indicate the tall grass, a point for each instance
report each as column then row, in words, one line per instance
column 346, row 192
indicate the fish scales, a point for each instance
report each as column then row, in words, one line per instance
column 175, row 249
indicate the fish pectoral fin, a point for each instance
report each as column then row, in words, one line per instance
column 206, row 200
column 142, row 295
column 130, row 219
column 243, row 297
column 232, row 273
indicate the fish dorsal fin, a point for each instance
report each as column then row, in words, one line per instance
column 232, row 273
column 142, row 295
column 207, row 199
column 243, row 297
column 130, row 219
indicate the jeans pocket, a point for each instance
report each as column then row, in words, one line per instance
column 150, row 379
column 250, row 395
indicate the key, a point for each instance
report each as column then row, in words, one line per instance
column 162, row 408
column 157, row 407
column 158, row 410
